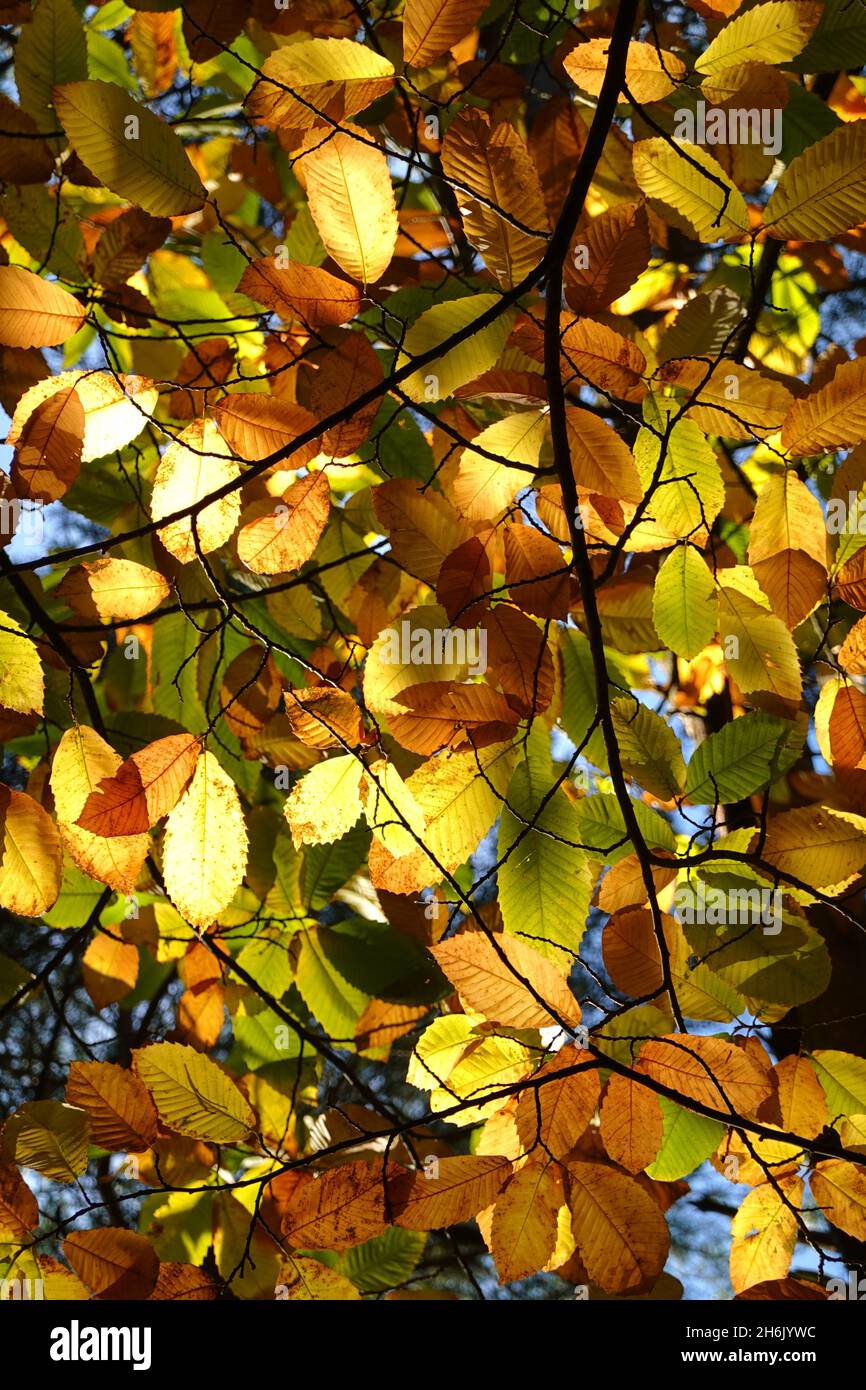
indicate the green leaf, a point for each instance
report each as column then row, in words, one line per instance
column 107, row 62
column 602, row 828
column 649, row 749
column 79, row 895
column 47, row 229
column 684, row 606
column 544, row 879
column 383, row 1262
column 759, row 948
column 51, row 50
column 838, row 42
column 475, row 354
column 327, row 867
column 688, row 1140
column 332, row 1000
column 579, row 702
column 741, row 758
column 689, row 491
column 843, row 1077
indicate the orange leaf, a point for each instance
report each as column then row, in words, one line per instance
column 34, row 312
column 706, row 1069
column 143, row 789
column 500, row 977
column 631, row 1123
column 122, row 1114
column 285, row 536
column 323, row 716
column 343, row 1207
column 304, row 292
column 257, row 426
column 455, row 1191
column 621, row 1234
column 557, row 1113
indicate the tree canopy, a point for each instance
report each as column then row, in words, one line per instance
column 432, row 648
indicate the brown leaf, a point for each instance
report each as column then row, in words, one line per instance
column 113, row 1262
column 46, row 462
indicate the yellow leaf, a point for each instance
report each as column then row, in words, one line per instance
column 116, row 409
column 774, row 32
column 304, row 1280
column 483, row 486
column 351, row 200
column 31, row 863
column 22, row 685
column 191, row 468
column 651, row 73
column 832, row 417
column 600, row 460
column 706, row 203
column 821, row 192
column 129, row 149
column 192, row 1094
column 764, row 1232
column 33, row 312
column 525, row 1218
column 82, row 759
column 388, row 804
column 839, row 1189
column 50, row 1137
column 423, row 527
column 469, row 358
column 205, row 848
column 326, row 802
column 317, row 81
column 816, row 846
column 762, row 652
column 108, row 589
column 729, row 399
column 788, row 547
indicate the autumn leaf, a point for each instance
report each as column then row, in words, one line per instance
column 205, row 848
